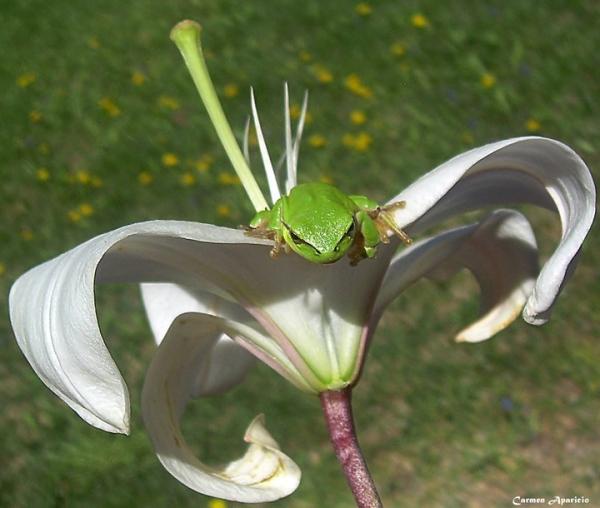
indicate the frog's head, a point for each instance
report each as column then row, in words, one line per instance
column 320, row 241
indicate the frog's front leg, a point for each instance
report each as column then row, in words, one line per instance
column 267, row 224
column 365, row 240
column 387, row 223
column 383, row 218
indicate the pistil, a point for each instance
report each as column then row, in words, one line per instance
column 186, row 36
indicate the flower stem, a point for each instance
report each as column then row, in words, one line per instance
column 186, row 35
column 337, row 408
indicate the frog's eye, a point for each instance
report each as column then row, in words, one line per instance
column 348, row 235
column 351, row 229
column 299, row 241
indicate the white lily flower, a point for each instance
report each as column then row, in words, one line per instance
column 216, row 300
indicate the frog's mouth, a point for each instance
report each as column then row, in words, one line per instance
column 312, row 253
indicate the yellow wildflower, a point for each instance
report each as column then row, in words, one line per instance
column 170, row 159
column 326, row 179
column 202, row 166
column 166, row 102
column 217, row 503
column 74, row 215
column 357, row 87
column 228, row 178
column 231, row 90
column 357, row 117
column 85, row 209
column 35, row 116
column 204, row 163
column 138, row 78
column 109, row 107
column 145, row 178
column 418, row 20
column 24, row 80
column 363, row 9
column 363, row 141
column 532, row 125
column 187, row 179
column 398, row 49
column 294, row 111
column 93, row 42
column 304, row 56
column 26, row 234
column 223, row 210
column 252, row 139
column 42, row 175
column 488, row 80
column 96, row 182
column 322, row 74
column 467, row 137
column 359, row 142
column 2, row 269
column 83, row 176
column 317, row 141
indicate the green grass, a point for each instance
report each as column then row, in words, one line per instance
column 442, row 424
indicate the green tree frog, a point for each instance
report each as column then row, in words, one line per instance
column 322, row 224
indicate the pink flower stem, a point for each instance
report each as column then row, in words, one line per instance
column 337, row 407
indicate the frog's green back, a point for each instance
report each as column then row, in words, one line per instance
column 319, row 213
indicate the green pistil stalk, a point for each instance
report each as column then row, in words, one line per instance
column 186, row 35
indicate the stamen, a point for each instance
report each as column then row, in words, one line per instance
column 289, row 154
column 245, row 144
column 299, row 130
column 279, row 164
column 264, row 153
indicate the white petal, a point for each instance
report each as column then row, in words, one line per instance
column 502, row 255
column 53, row 313
column 164, row 302
column 500, row 251
column 315, row 313
column 264, row 473
column 533, row 170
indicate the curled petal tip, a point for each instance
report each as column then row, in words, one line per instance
column 532, row 317
column 497, row 319
column 263, row 473
column 125, row 426
column 257, row 433
column 472, row 336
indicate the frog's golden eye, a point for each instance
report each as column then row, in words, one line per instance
column 344, row 239
column 296, row 238
column 299, row 241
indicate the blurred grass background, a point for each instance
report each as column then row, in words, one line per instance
column 101, row 127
